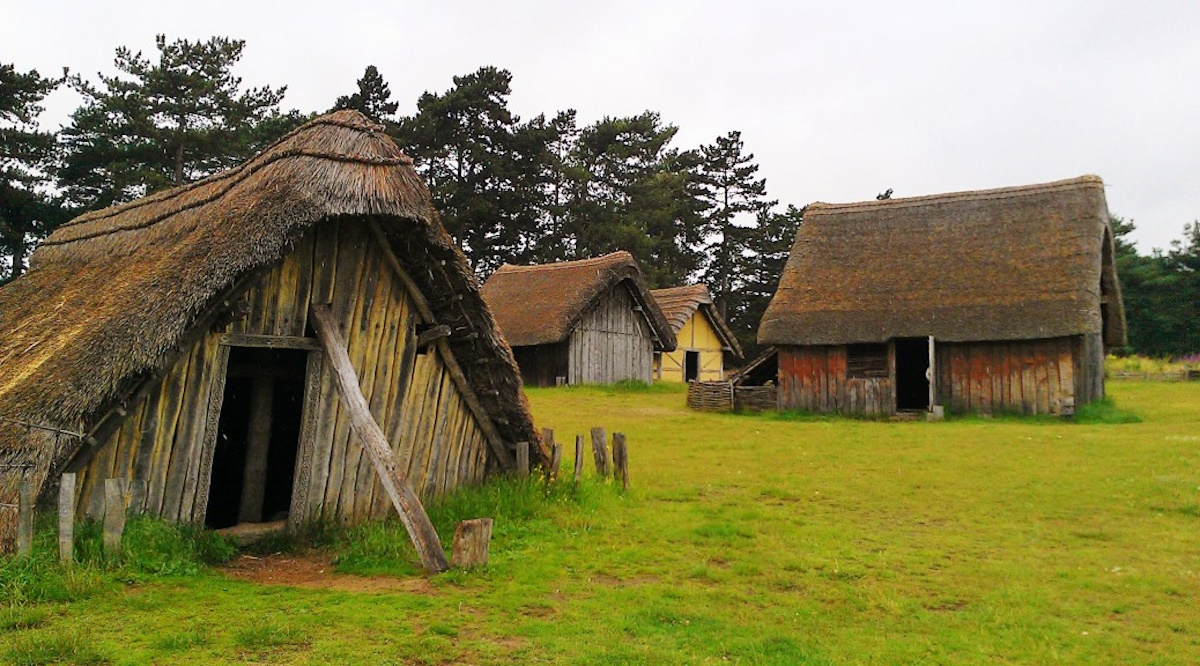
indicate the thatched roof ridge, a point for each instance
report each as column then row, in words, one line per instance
column 541, row 304
column 680, row 303
column 111, row 294
column 1004, row 264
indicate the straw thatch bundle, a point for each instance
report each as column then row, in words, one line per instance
column 1006, row 264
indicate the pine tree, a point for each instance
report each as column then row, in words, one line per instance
column 770, row 246
column 27, row 210
column 732, row 193
column 486, row 169
column 372, row 99
column 167, row 122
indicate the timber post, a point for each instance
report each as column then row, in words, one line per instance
column 25, row 518
column 374, row 442
column 114, row 516
column 578, row 459
column 66, row 518
column 555, row 453
column 600, row 452
column 523, row 461
column 137, row 497
column 471, row 539
column 621, row 459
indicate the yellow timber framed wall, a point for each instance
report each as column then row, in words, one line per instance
column 698, row 335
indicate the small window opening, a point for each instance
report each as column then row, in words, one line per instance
column 867, row 361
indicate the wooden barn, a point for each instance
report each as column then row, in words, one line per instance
column 991, row 301
column 184, row 340
column 702, row 338
column 591, row 321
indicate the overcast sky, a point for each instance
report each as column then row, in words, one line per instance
column 837, row 100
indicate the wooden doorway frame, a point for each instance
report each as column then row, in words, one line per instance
column 301, row 477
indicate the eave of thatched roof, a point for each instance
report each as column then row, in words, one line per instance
column 678, row 304
column 1005, row 264
column 111, row 294
column 541, row 304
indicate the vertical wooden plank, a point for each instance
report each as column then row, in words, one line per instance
column 578, row 459
column 301, row 509
column 523, row 461
column 188, row 434
column 66, row 518
column 621, row 459
column 174, row 393
column 600, row 452
column 194, row 504
column 1043, row 378
column 258, row 442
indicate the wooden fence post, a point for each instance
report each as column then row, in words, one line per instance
column 25, row 518
column 471, row 539
column 578, row 459
column 114, row 516
column 600, row 451
column 523, row 461
column 555, row 453
column 621, row 459
column 66, row 517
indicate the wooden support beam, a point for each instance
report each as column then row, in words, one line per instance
column 258, row 443
column 25, row 518
column 66, row 518
column 137, row 497
column 375, row 443
column 269, row 341
column 431, row 334
column 390, row 259
column 503, row 455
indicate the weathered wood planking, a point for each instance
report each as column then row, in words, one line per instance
column 611, row 342
column 1019, row 376
column 814, row 379
column 429, row 426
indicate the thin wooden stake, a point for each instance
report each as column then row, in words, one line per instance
column 555, row 460
column 66, row 518
column 578, row 459
column 600, row 452
column 114, row 515
column 374, row 442
column 25, row 519
column 621, row 459
column 523, row 461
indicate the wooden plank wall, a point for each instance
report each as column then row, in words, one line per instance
column 1020, row 376
column 611, row 342
column 813, row 378
column 411, row 394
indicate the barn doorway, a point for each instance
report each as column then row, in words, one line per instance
column 691, row 366
column 258, row 435
column 912, row 380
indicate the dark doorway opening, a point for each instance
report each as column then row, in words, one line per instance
column 691, row 366
column 258, row 435
column 912, row 382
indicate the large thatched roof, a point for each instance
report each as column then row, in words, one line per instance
column 537, row 305
column 1006, row 264
column 678, row 304
column 110, row 294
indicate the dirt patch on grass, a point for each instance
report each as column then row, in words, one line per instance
column 314, row 571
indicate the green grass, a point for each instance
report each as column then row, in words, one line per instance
column 743, row 539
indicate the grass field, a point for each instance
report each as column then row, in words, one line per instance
column 744, row 539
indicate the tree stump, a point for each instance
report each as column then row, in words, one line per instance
column 471, row 539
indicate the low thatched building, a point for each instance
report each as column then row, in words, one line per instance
column 702, row 338
column 171, row 340
column 993, row 301
column 591, row 321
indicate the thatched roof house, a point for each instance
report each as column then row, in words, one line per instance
column 1016, row 288
column 150, row 328
column 702, row 338
column 591, row 321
